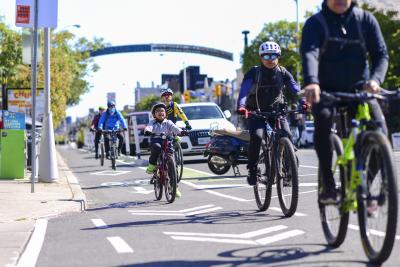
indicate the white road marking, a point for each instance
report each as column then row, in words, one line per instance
column 31, row 253
column 310, row 174
column 110, row 173
column 295, row 214
column 371, row 231
column 215, row 240
column 157, row 214
column 278, row 237
column 306, row 166
column 201, row 172
column 202, row 211
column 119, row 244
column 142, row 190
column 197, row 208
column 99, row 223
column 244, row 235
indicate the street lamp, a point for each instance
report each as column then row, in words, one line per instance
column 245, row 33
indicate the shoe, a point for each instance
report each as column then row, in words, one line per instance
column 152, row 180
column 252, row 177
column 96, row 156
column 151, row 168
column 372, row 208
column 178, row 193
column 328, row 197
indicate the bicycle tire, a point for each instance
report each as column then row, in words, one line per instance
column 170, row 181
column 102, row 155
column 286, row 154
column 113, row 166
column 377, row 141
column 335, row 226
column 179, row 162
column 158, row 187
column 263, row 187
column 217, row 169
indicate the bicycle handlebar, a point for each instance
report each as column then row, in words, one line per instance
column 282, row 112
column 344, row 96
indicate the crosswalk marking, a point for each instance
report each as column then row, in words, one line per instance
column 99, row 223
column 119, row 244
column 279, row 237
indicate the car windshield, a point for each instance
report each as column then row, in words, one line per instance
column 202, row 112
column 142, row 118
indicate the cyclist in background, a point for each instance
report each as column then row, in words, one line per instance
column 337, row 44
column 173, row 110
column 112, row 120
column 94, row 127
column 262, row 90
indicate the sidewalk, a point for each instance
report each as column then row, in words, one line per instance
column 19, row 208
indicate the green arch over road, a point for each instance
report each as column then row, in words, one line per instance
column 162, row 48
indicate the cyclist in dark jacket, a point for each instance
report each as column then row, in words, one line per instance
column 262, row 89
column 337, row 43
column 95, row 126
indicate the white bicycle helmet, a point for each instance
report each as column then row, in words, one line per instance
column 166, row 90
column 269, row 47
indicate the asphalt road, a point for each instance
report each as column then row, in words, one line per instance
column 215, row 223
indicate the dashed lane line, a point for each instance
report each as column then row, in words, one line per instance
column 119, row 245
column 99, row 223
column 371, row 231
column 306, row 166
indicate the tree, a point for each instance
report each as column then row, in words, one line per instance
column 70, row 64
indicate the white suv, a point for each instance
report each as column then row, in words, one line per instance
column 201, row 117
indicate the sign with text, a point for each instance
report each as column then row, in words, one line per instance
column 13, row 120
column 20, row 100
column 47, row 13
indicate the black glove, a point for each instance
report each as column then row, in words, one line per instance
column 91, row 129
column 147, row 133
column 184, row 132
column 188, row 127
column 125, row 129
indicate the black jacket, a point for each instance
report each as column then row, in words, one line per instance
column 343, row 64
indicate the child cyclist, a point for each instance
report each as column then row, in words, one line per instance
column 173, row 110
column 159, row 125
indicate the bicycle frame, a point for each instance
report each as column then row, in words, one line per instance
column 162, row 163
column 349, row 159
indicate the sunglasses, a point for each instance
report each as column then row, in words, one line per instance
column 270, row 56
column 167, row 94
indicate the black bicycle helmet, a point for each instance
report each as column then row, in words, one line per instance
column 158, row 105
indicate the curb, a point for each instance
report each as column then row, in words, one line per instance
column 76, row 190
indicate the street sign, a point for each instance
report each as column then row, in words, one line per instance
column 111, row 97
column 47, row 13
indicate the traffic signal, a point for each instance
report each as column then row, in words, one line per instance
column 186, row 96
column 218, row 90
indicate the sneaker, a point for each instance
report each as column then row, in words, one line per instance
column 96, row 156
column 151, row 168
column 252, row 177
column 178, row 193
column 328, row 197
column 372, row 208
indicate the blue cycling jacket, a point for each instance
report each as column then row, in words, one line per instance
column 112, row 122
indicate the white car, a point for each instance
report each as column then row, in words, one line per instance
column 307, row 135
column 202, row 116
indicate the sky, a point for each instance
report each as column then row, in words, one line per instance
column 209, row 23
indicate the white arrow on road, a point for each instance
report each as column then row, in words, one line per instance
column 110, row 173
column 184, row 212
column 244, row 238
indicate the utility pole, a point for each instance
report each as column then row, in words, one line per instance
column 297, row 38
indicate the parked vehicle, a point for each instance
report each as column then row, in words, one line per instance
column 142, row 119
column 227, row 148
column 307, row 135
column 201, row 116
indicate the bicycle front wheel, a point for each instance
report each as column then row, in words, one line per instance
column 170, row 181
column 113, row 156
column 334, row 218
column 263, row 187
column 288, row 180
column 102, row 154
column 377, row 197
column 178, row 162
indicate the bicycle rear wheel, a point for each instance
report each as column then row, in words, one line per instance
column 288, row 180
column 377, row 197
column 333, row 218
column 102, row 154
column 113, row 155
column 263, row 187
column 170, row 180
column 178, row 162
column 158, row 186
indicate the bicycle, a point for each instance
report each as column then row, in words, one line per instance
column 165, row 176
column 178, row 160
column 277, row 164
column 365, row 179
column 113, row 145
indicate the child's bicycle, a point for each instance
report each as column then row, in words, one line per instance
column 165, row 176
column 365, row 179
column 113, row 145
